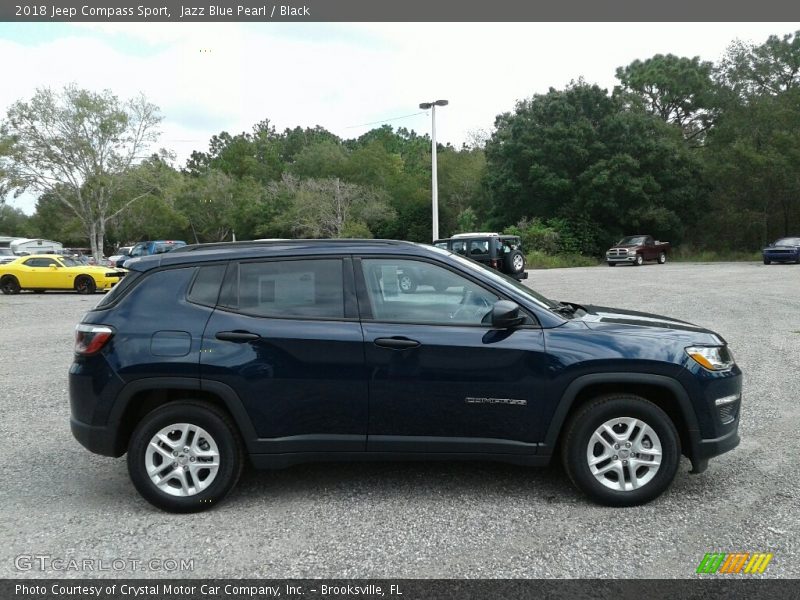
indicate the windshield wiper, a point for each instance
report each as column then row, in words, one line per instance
column 564, row 309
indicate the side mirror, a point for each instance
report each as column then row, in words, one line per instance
column 505, row 315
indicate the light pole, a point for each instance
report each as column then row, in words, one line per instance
column 434, row 177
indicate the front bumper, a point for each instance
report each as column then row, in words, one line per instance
column 781, row 256
column 621, row 259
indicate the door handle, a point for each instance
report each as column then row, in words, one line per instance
column 396, row 343
column 239, row 337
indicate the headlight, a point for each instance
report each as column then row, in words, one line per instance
column 713, row 358
column 631, row 251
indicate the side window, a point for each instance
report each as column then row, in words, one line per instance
column 459, row 247
column 411, row 291
column 311, row 288
column 205, row 288
column 137, row 251
column 40, row 262
column 478, row 247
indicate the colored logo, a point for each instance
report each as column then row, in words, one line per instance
column 736, row 562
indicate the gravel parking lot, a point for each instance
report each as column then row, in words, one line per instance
column 422, row 519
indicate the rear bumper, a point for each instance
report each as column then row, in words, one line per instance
column 97, row 439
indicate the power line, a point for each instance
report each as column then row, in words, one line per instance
column 387, row 120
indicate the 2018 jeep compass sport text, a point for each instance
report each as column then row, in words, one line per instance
column 288, row 351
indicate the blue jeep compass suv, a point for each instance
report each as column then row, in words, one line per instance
column 281, row 352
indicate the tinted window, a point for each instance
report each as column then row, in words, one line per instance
column 459, row 247
column 478, row 247
column 205, row 289
column 435, row 294
column 289, row 289
column 119, row 290
column 40, row 262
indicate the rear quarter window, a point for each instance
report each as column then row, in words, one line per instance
column 206, row 284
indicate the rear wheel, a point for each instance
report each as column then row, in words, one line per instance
column 10, row 285
column 621, row 450
column 85, row 285
column 185, row 456
column 662, row 258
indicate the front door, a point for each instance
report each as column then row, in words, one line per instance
column 286, row 337
column 440, row 378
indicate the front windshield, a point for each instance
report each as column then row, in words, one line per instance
column 6, row 252
column 504, row 280
column 637, row 240
column 791, row 241
column 69, row 262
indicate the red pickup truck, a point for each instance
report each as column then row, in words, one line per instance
column 635, row 249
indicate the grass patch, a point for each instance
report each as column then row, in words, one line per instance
column 541, row 260
column 689, row 255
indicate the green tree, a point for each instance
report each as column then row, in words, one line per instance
column 77, row 145
column 678, row 90
column 580, row 154
column 14, row 222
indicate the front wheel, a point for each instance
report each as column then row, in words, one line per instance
column 639, row 260
column 767, row 261
column 621, row 450
column 85, row 285
column 185, row 456
column 611, row 264
column 662, row 258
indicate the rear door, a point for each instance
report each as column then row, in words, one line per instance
column 286, row 337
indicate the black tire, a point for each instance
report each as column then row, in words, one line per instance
column 767, row 261
column 85, row 285
column 10, row 285
column 407, row 283
column 514, row 262
column 662, row 258
column 213, row 420
column 639, row 260
column 580, row 429
column 612, row 264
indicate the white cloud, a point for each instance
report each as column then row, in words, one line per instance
column 338, row 76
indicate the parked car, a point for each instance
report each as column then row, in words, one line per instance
column 150, row 248
column 294, row 351
column 783, row 250
column 6, row 256
column 41, row 272
column 120, row 256
column 636, row 249
column 501, row 252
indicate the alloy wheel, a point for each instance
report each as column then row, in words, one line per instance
column 182, row 459
column 624, row 454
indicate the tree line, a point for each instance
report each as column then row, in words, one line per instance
column 702, row 154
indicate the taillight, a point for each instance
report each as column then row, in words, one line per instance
column 90, row 339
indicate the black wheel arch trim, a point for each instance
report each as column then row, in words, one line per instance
column 224, row 392
column 580, row 383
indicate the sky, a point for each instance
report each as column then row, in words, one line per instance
column 349, row 78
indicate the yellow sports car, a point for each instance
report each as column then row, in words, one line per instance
column 40, row 272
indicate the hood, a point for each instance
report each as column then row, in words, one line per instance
column 781, row 247
column 604, row 317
